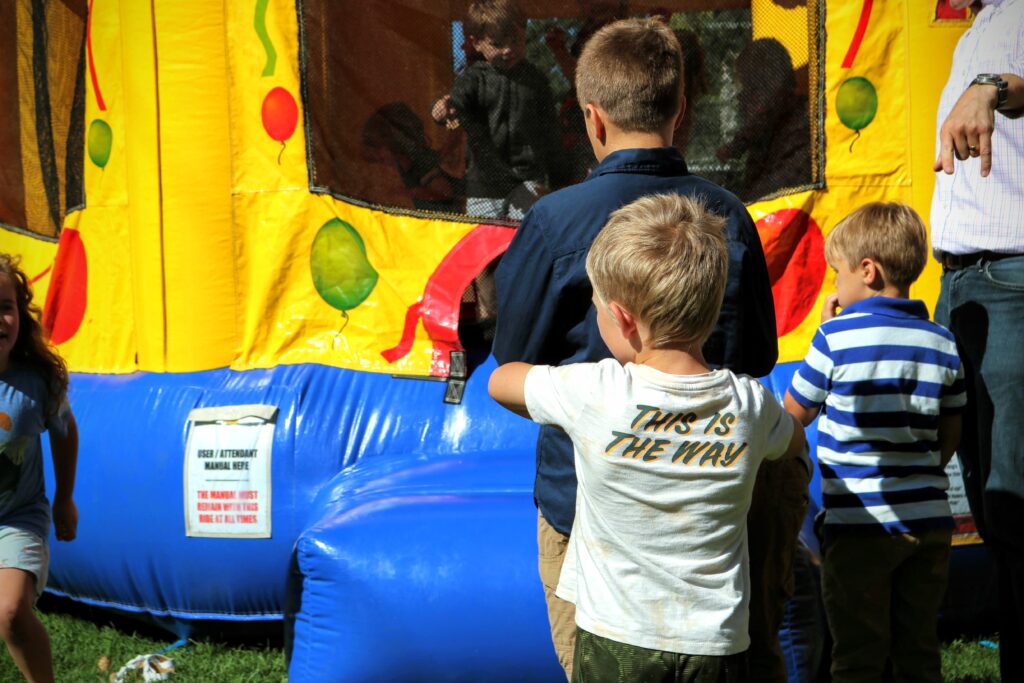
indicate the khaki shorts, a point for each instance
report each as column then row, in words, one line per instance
column 552, row 545
column 20, row 549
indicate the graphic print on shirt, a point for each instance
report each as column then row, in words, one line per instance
column 12, row 456
column 706, row 448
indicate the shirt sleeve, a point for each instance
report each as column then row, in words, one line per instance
column 57, row 424
column 464, row 89
column 524, row 282
column 1017, row 58
column 776, row 425
column 813, row 379
column 745, row 339
column 954, row 395
column 558, row 395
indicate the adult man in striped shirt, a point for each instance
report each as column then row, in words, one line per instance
column 891, row 385
column 978, row 236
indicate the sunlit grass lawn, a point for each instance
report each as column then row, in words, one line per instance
column 81, row 636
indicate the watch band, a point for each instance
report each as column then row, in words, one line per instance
column 1002, row 87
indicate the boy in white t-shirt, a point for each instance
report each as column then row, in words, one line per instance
column 666, row 451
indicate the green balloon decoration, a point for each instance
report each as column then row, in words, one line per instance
column 856, row 104
column 342, row 274
column 99, row 142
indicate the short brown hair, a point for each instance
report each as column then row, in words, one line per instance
column 665, row 260
column 889, row 233
column 632, row 69
column 494, row 19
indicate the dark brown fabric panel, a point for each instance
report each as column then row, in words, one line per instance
column 12, row 190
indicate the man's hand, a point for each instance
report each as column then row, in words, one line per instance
column 967, row 131
column 65, row 519
column 830, row 308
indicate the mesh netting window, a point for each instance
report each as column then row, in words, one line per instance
column 42, row 107
column 406, row 112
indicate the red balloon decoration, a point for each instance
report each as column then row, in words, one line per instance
column 66, row 297
column 280, row 114
column 794, row 249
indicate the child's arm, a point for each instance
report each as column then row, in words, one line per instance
column 950, row 427
column 804, row 416
column 507, row 387
column 797, row 441
column 444, row 113
column 65, row 462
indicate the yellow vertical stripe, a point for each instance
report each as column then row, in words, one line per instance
column 142, row 162
column 195, row 154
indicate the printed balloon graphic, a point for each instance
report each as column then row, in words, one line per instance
column 99, row 142
column 856, row 104
column 66, row 299
column 280, row 115
column 794, row 250
column 342, row 274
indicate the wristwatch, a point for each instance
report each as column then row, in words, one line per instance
column 1002, row 87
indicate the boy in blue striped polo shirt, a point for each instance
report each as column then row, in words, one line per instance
column 891, row 387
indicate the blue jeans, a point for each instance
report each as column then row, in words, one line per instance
column 983, row 305
column 803, row 624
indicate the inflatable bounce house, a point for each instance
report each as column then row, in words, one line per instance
column 256, row 254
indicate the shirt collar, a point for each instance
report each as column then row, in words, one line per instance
column 658, row 160
column 890, row 306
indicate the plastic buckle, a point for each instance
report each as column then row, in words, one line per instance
column 456, row 385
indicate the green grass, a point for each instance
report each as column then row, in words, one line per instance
column 81, row 636
column 970, row 662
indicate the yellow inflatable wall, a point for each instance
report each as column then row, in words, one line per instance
column 194, row 248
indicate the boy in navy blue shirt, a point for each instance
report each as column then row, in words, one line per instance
column 629, row 83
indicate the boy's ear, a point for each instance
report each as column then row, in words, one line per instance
column 623, row 318
column 871, row 273
column 595, row 119
column 682, row 113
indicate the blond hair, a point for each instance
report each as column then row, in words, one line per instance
column 889, row 233
column 632, row 69
column 664, row 259
column 494, row 19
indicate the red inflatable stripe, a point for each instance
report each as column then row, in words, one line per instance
column 92, row 67
column 404, row 346
column 858, row 35
column 442, row 295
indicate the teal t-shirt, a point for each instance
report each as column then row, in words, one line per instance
column 23, row 418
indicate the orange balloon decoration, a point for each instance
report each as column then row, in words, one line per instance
column 280, row 114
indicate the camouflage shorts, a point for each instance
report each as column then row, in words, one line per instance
column 600, row 660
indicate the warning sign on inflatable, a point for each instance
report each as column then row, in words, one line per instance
column 227, row 471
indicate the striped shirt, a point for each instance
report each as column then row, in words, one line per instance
column 884, row 373
column 971, row 213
